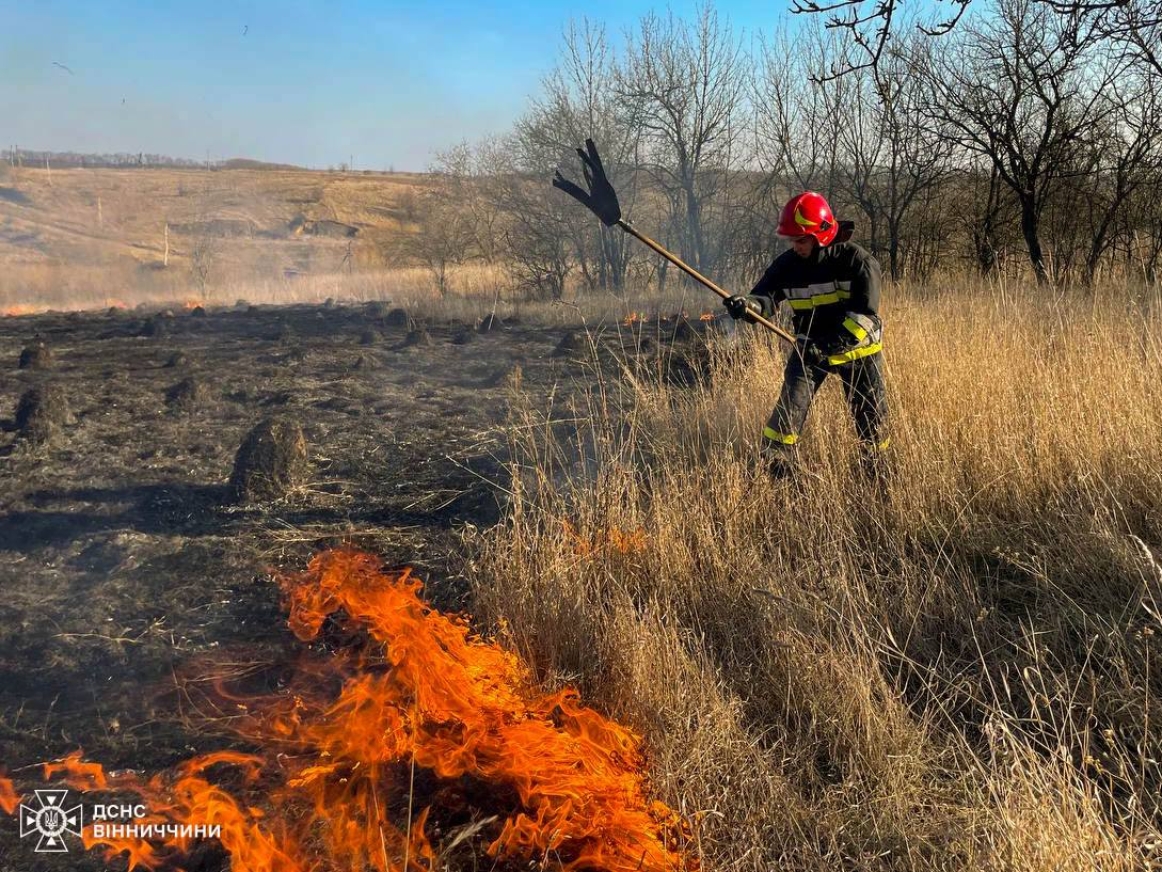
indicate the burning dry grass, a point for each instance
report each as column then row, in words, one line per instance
column 953, row 672
column 9, row 798
column 618, row 540
column 372, row 751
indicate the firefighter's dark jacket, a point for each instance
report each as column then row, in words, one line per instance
column 822, row 289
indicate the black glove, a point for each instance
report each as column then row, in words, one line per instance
column 811, row 353
column 739, row 306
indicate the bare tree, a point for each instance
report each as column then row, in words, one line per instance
column 1133, row 25
column 1147, row 238
column 890, row 152
column 1127, row 152
column 861, row 139
column 983, row 213
column 540, row 237
column 1022, row 90
column 748, row 227
column 443, row 236
column 684, row 84
column 203, row 260
column 870, row 24
column 790, row 111
column 1136, row 24
column 206, row 248
column 578, row 101
column 468, row 172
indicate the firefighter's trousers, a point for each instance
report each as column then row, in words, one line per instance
column 863, row 385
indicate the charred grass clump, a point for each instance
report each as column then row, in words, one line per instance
column 156, row 327
column 270, row 463
column 377, row 309
column 42, row 413
column 952, row 670
column 397, row 319
column 419, row 336
column 284, row 334
column 36, row 356
column 186, row 396
column 570, row 345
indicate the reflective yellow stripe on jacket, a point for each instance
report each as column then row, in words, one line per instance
column 813, row 296
column 855, row 329
column 776, row 436
column 856, row 353
column 860, row 334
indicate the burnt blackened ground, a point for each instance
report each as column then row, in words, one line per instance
column 121, row 560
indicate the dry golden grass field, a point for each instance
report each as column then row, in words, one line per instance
column 94, row 238
column 953, row 669
column 956, row 671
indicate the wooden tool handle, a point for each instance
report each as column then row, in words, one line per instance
column 698, row 277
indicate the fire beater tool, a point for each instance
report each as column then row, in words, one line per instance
column 601, row 199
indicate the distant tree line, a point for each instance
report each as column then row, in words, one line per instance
column 15, row 156
column 1027, row 140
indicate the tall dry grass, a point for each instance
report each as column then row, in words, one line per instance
column 33, row 288
column 477, row 289
column 955, row 670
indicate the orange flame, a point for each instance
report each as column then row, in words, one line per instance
column 9, row 798
column 18, row 310
column 115, row 304
column 423, row 711
column 706, row 316
column 621, row 541
column 186, row 799
column 190, row 305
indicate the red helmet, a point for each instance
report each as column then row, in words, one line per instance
column 808, row 215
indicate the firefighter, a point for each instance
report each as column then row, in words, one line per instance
column 833, row 290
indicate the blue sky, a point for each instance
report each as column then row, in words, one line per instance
column 315, row 83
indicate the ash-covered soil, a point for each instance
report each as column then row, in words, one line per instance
column 123, row 558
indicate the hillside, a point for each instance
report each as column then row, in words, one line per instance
column 249, row 222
